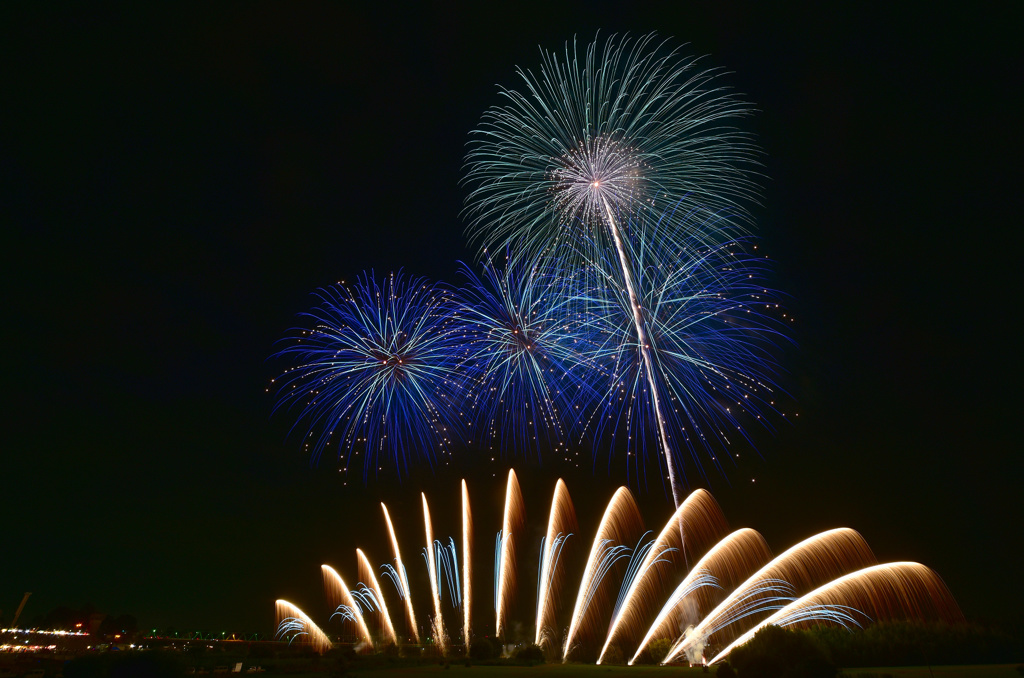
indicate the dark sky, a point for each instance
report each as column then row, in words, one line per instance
column 173, row 186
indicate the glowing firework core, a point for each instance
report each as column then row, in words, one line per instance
column 599, row 171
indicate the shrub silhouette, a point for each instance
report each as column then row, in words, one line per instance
column 482, row 649
column 613, row 657
column 778, row 653
column 530, row 653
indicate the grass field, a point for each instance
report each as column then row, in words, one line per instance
column 976, row 671
column 540, row 671
column 587, row 670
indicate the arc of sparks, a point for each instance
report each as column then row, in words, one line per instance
column 366, row 572
column 285, row 610
column 699, row 510
column 821, row 579
column 819, row 558
column 889, row 590
column 403, row 580
column 467, row 547
column 511, row 525
column 728, row 562
column 621, row 517
column 440, row 637
column 561, row 525
column 338, row 594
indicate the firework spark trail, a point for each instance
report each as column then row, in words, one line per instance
column 561, row 525
column 813, row 561
column 767, row 595
column 621, row 523
column 728, row 563
column 396, row 579
column 339, row 595
column 764, row 597
column 294, row 620
column 440, row 637
column 645, row 350
column 498, row 542
column 796, row 614
column 607, row 555
column 511, row 528
column 550, row 560
column 694, row 526
column 404, row 580
column 290, row 628
column 447, row 560
column 365, row 572
column 880, row 592
column 379, row 374
column 640, row 563
column 366, row 598
column 467, row 547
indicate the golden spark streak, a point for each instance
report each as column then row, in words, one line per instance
column 700, row 511
column 621, row 519
column 366, row 573
column 512, row 522
column 321, row 643
column 561, row 520
column 467, row 547
column 411, row 616
column 440, row 637
column 338, row 594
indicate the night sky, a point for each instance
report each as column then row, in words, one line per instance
column 173, row 187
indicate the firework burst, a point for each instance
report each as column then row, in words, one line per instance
column 629, row 131
column 377, row 373
column 527, row 351
column 631, row 124
column 712, row 331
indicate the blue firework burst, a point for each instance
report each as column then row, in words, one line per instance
column 376, row 372
column 713, row 332
column 527, row 342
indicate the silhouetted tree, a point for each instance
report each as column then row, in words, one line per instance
column 775, row 652
column 530, row 654
column 482, row 649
